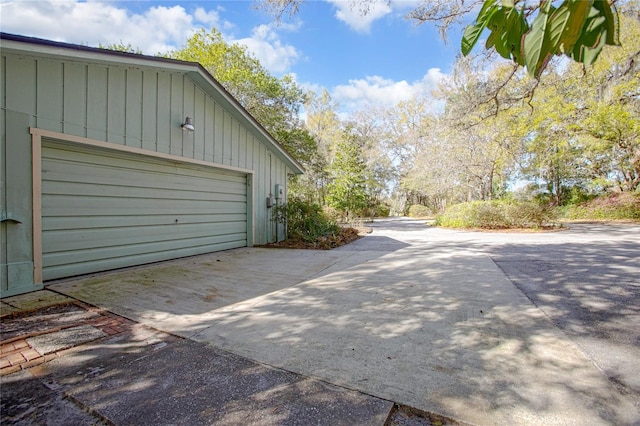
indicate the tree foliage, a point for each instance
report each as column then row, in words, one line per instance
column 347, row 186
column 531, row 35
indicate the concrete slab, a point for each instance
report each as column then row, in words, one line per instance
column 177, row 296
column 31, row 301
column 418, row 316
column 63, row 339
column 425, row 331
column 26, row 401
column 150, row 378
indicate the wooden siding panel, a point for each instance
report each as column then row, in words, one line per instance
column 20, row 90
column 177, row 114
column 18, row 201
column 209, row 125
column 49, row 103
column 226, row 138
column 75, row 99
column 149, row 110
column 4, row 284
column 116, row 98
column 164, row 113
column 3, row 82
column 188, row 108
column 133, row 108
column 235, row 143
column 243, row 139
column 219, row 135
column 97, row 89
column 201, row 129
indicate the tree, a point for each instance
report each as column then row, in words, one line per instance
column 347, row 190
column 325, row 126
column 274, row 102
column 583, row 129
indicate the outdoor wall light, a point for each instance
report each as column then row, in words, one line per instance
column 188, row 124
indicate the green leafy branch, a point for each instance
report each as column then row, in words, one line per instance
column 578, row 29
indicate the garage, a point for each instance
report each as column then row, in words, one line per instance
column 113, row 159
column 103, row 209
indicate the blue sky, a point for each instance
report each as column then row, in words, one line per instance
column 378, row 59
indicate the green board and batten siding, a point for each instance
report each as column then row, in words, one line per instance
column 105, row 210
column 131, row 101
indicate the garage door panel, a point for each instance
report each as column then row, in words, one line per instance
column 61, row 153
column 227, row 191
column 67, row 174
column 114, row 252
column 86, row 205
column 102, row 208
column 137, row 258
column 82, row 239
column 86, row 168
column 214, row 193
column 54, row 223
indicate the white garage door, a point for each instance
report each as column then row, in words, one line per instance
column 104, row 209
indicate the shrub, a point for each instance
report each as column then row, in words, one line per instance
column 529, row 214
column 378, row 210
column 623, row 205
column 381, row 210
column 497, row 214
column 418, row 210
column 304, row 220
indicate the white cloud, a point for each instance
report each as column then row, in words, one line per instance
column 157, row 29
column 359, row 18
column 265, row 44
column 211, row 18
column 378, row 91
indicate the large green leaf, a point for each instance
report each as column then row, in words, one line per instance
column 516, row 28
column 611, row 23
column 537, row 48
column 578, row 13
column 472, row 32
column 507, row 27
column 601, row 27
column 470, row 37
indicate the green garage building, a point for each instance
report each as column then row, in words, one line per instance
column 111, row 159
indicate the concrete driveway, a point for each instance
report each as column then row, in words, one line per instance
column 486, row 328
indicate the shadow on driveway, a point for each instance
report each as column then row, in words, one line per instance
column 416, row 315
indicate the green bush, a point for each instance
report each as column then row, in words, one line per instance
column 529, row 214
column 611, row 207
column 378, row 210
column 381, row 210
column 497, row 214
column 304, row 220
column 418, row 210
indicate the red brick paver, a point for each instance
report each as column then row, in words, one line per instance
column 16, row 354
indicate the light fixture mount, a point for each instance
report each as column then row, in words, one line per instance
column 188, row 124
